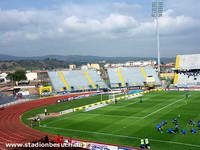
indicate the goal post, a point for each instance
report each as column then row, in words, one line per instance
column 112, row 96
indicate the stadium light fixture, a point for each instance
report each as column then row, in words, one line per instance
column 157, row 11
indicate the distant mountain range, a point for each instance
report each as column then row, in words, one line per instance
column 84, row 59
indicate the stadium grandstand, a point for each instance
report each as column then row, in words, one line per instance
column 132, row 76
column 187, row 70
column 76, row 80
column 90, row 79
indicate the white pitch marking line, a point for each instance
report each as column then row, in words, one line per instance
column 112, row 115
column 122, row 116
column 60, row 119
column 162, row 108
column 127, row 104
column 97, row 114
column 124, row 136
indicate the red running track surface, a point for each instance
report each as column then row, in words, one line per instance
column 12, row 130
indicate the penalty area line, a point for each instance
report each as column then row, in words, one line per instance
column 117, row 116
column 123, row 136
column 163, row 108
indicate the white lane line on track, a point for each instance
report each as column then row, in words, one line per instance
column 162, row 108
column 124, row 136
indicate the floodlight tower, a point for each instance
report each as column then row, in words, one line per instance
column 157, row 11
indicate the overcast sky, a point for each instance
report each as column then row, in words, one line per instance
column 97, row 27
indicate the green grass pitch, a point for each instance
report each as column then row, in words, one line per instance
column 127, row 121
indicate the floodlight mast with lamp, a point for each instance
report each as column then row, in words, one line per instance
column 157, row 11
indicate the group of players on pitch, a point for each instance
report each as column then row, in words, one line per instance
column 176, row 129
column 175, row 122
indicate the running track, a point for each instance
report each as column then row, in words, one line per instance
column 12, row 130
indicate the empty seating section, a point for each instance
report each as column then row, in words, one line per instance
column 55, row 80
column 76, row 80
column 62, row 77
column 151, row 72
column 142, row 70
column 89, row 79
column 121, row 78
column 134, row 77
column 185, row 80
column 113, row 76
column 131, row 76
column 95, row 76
column 186, row 66
column 188, row 61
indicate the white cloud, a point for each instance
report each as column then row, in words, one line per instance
column 115, row 22
column 33, row 25
column 31, row 36
column 178, row 24
column 88, row 22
